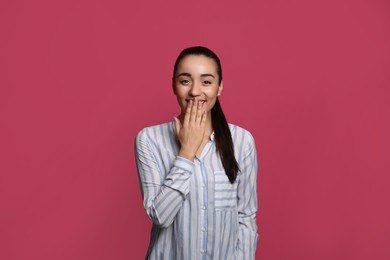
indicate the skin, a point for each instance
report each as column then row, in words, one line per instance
column 196, row 80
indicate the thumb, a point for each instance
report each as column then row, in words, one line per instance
column 177, row 124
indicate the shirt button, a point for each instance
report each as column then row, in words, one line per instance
column 203, row 229
column 202, row 251
column 204, row 207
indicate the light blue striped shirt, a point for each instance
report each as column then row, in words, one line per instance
column 196, row 212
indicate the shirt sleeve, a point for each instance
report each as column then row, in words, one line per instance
column 247, row 204
column 163, row 193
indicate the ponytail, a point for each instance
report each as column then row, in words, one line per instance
column 224, row 142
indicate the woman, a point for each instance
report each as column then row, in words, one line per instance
column 197, row 173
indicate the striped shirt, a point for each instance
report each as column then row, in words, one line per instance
column 196, row 212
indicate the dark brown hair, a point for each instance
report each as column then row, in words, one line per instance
column 223, row 138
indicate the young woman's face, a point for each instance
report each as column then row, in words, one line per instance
column 196, row 78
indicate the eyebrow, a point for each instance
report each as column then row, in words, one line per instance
column 189, row 75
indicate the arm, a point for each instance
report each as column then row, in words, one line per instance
column 162, row 197
column 247, row 204
column 164, row 193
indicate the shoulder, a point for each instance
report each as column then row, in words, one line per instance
column 154, row 131
column 241, row 135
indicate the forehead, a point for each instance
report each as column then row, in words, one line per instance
column 197, row 64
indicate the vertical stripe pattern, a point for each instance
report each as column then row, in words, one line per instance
column 196, row 212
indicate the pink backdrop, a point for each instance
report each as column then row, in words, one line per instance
column 78, row 80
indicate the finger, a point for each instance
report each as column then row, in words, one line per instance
column 177, row 125
column 199, row 112
column 204, row 119
column 193, row 110
column 188, row 113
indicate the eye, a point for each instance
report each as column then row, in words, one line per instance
column 184, row 82
column 206, row 82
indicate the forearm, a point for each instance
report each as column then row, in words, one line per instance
column 247, row 238
column 163, row 201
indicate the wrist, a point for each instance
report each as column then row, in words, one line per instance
column 187, row 154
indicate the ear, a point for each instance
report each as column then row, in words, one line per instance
column 220, row 88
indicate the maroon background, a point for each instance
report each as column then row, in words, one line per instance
column 79, row 79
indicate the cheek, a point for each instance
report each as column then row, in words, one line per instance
column 180, row 93
column 210, row 104
column 211, row 99
column 182, row 103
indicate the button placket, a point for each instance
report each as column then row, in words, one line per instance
column 202, row 206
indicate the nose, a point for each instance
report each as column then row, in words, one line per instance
column 195, row 90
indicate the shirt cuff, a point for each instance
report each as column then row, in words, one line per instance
column 180, row 175
column 184, row 163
